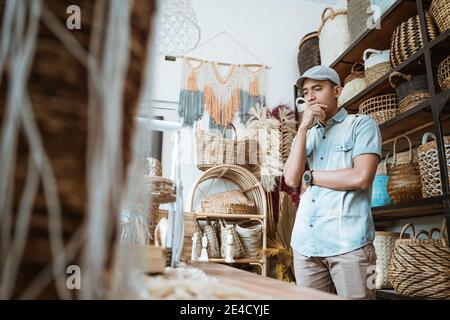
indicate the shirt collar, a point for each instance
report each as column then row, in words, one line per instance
column 338, row 117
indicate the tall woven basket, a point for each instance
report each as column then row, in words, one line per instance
column 404, row 179
column 384, row 243
column 440, row 10
column 357, row 17
column 430, row 173
column 308, row 52
column 334, row 36
column 421, row 267
column 381, row 108
column 58, row 89
column 407, row 38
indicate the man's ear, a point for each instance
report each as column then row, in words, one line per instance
column 337, row 91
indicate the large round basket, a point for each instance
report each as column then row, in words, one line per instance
column 421, row 267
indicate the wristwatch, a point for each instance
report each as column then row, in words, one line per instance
column 308, row 178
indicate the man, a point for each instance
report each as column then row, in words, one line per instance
column 333, row 231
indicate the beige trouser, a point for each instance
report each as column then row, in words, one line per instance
column 352, row 274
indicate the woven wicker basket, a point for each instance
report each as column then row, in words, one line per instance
column 250, row 233
column 357, row 17
column 354, row 83
column 407, row 38
column 404, row 179
column 238, row 248
column 381, row 108
column 430, row 174
column 228, row 202
column 334, row 36
column 377, row 71
column 444, row 74
column 153, row 167
column 213, row 150
column 384, row 247
column 440, row 10
column 213, row 247
column 421, row 267
column 308, row 52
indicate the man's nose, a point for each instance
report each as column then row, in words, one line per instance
column 310, row 97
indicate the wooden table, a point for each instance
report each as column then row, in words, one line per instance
column 264, row 285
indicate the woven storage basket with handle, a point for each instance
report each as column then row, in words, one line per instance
column 444, row 74
column 238, row 249
column 381, row 108
column 407, row 38
column 421, row 267
column 228, row 202
column 250, row 233
column 334, row 36
column 440, row 10
column 354, row 83
column 404, row 179
column 380, row 196
column 430, row 173
column 384, row 247
column 411, row 90
column 308, row 52
column 213, row 150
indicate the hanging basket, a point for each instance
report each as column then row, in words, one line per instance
column 354, row 83
column 440, row 10
column 334, row 36
column 430, row 173
column 444, row 74
column 404, row 179
column 407, row 38
column 308, row 52
column 384, row 243
column 357, row 17
column 213, row 150
column 421, row 267
column 381, row 108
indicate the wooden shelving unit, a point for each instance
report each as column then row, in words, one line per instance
column 432, row 115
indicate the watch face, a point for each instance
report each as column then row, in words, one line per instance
column 307, row 177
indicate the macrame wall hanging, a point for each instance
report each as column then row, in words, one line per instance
column 204, row 87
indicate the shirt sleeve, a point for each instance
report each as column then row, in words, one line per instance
column 367, row 137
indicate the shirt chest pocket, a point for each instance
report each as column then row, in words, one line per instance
column 342, row 154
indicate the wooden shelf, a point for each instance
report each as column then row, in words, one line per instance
column 375, row 38
column 391, row 294
column 416, row 208
column 227, row 216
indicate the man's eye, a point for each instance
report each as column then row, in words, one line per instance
column 318, row 89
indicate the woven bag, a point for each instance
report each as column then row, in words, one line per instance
column 421, row 267
column 357, row 17
column 384, row 243
column 404, row 179
column 407, row 38
column 213, row 150
column 440, row 10
column 228, row 202
column 354, row 83
column 334, row 36
column 251, row 237
column 238, row 249
column 308, row 52
column 444, row 74
column 213, row 247
column 380, row 196
column 411, row 90
column 430, row 173
column 381, row 108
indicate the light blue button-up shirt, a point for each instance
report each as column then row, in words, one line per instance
column 331, row 222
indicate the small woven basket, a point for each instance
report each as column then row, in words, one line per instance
column 440, row 10
column 354, row 83
column 430, row 174
column 380, row 196
column 444, row 74
column 404, row 179
column 407, row 38
column 411, row 90
column 377, row 71
column 213, row 150
column 421, row 267
column 381, row 108
column 251, row 237
column 238, row 249
column 384, row 243
column 308, row 52
column 228, row 202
